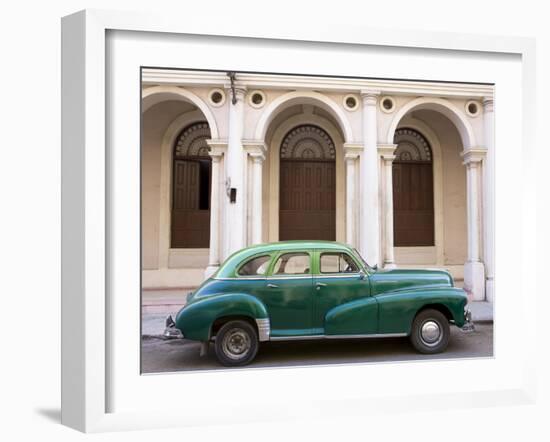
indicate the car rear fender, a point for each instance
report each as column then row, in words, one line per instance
column 195, row 320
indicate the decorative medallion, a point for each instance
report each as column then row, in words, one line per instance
column 411, row 146
column 308, row 142
column 192, row 141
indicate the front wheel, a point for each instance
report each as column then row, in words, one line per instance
column 236, row 343
column 430, row 332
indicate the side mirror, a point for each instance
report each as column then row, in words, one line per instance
column 362, row 274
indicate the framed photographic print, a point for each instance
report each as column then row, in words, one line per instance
column 261, row 212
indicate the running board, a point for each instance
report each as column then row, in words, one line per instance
column 313, row 337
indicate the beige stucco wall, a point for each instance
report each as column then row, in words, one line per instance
column 454, row 186
column 154, row 124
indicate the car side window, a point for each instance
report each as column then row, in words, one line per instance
column 255, row 266
column 292, row 264
column 337, row 263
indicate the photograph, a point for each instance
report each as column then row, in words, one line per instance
column 302, row 220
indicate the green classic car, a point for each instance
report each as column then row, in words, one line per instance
column 316, row 290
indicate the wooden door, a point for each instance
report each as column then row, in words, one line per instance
column 307, row 200
column 413, row 193
column 190, row 206
column 191, row 181
column 413, row 204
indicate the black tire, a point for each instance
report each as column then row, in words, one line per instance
column 236, row 343
column 430, row 332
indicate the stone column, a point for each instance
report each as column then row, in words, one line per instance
column 216, row 152
column 387, row 152
column 351, row 154
column 256, row 150
column 369, row 224
column 489, row 195
column 350, row 200
column 234, row 225
column 474, row 270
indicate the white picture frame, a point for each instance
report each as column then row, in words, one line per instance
column 87, row 210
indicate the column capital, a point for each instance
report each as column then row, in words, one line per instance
column 488, row 104
column 257, row 149
column 352, row 150
column 217, row 148
column 387, row 151
column 473, row 156
column 370, row 97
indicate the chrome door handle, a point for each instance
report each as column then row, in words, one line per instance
column 272, row 286
column 320, row 284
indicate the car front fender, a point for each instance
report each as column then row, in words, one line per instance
column 397, row 309
column 195, row 320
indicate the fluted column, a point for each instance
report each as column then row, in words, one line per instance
column 369, row 224
column 217, row 150
column 350, row 198
column 387, row 152
column 489, row 195
column 351, row 155
column 474, row 270
column 256, row 150
column 234, row 225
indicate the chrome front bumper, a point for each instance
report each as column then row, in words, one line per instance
column 170, row 331
column 468, row 326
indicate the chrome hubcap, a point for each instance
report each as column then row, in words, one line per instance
column 431, row 333
column 236, row 343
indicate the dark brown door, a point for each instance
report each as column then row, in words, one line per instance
column 413, row 214
column 307, row 200
column 190, row 204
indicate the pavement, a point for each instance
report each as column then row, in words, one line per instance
column 176, row 355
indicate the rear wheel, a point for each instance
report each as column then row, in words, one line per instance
column 430, row 332
column 236, row 343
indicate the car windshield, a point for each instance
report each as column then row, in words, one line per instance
column 367, row 266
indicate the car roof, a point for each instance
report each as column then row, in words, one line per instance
column 228, row 267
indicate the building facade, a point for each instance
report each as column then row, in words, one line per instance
column 401, row 170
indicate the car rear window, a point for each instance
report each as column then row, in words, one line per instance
column 255, row 266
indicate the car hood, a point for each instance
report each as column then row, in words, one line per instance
column 396, row 279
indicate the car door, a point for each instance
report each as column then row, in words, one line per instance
column 288, row 294
column 338, row 281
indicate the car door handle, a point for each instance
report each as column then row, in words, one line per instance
column 273, row 286
column 320, row 284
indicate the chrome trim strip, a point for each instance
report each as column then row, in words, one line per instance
column 263, row 278
column 312, row 337
column 276, row 277
column 342, row 275
column 241, row 278
column 264, row 329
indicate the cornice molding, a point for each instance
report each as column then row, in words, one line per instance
column 291, row 82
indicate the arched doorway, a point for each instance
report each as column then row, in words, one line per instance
column 413, row 196
column 307, row 193
column 191, row 178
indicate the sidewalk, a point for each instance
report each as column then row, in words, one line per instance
column 482, row 311
column 170, row 300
